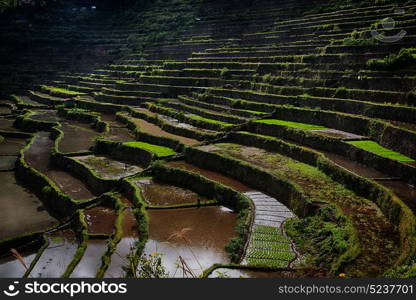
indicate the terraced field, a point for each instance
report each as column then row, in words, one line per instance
column 260, row 139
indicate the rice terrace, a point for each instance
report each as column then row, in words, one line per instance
column 207, row 138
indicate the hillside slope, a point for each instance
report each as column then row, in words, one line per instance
column 308, row 103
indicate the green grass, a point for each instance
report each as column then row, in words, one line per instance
column 195, row 117
column 254, row 112
column 267, row 263
column 291, row 124
column 159, row 151
column 375, row 148
column 61, row 90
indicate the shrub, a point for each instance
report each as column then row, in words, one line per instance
column 405, row 58
column 224, row 72
column 324, row 237
column 359, row 38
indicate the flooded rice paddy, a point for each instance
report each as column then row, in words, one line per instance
column 156, row 130
column 100, row 220
column 227, row 181
column 7, row 162
column 118, row 134
column 76, row 138
column 197, row 235
column 158, row 193
column 45, row 115
column 124, row 247
column 10, row 267
column 7, row 124
column 12, row 146
column 109, row 168
column 30, row 215
column 37, row 156
column 91, row 260
column 55, row 259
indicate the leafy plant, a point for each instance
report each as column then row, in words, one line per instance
column 146, row 266
column 375, row 148
column 359, row 38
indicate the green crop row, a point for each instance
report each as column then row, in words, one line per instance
column 159, row 151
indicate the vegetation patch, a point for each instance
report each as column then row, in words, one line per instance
column 367, row 228
column 195, row 117
column 405, row 59
column 291, row 124
column 269, row 248
column 375, row 148
column 159, row 151
column 60, row 91
column 322, row 238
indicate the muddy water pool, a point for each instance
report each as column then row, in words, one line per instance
column 197, row 235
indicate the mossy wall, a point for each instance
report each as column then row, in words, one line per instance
column 334, row 145
column 391, row 206
column 123, row 152
column 286, row 192
column 395, row 138
column 84, row 173
column 50, row 195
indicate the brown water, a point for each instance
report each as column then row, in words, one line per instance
column 91, row 260
column 37, row 156
column 124, row 247
column 108, row 168
column 22, row 211
column 12, row 146
column 156, row 130
column 119, row 134
column 125, row 200
column 205, row 230
column 76, row 138
column 227, row 181
column 57, row 256
column 157, row 193
column 100, row 220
